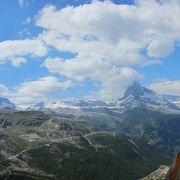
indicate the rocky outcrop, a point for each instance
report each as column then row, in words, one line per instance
column 166, row 173
column 159, row 174
column 174, row 172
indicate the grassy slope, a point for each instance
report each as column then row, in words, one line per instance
column 118, row 158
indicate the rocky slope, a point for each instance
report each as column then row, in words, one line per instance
column 159, row 174
column 166, row 172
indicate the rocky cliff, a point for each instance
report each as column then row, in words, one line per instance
column 174, row 171
column 165, row 172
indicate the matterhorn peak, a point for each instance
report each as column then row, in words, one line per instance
column 136, row 90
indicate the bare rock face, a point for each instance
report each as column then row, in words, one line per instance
column 159, row 174
column 165, row 172
column 174, row 171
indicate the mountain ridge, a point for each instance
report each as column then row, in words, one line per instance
column 96, row 129
column 135, row 96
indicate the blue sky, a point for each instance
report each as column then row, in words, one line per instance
column 55, row 49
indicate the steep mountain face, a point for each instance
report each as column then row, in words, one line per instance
column 138, row 96
column 6, row 103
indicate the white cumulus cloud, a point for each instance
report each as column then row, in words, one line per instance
column 17, row 61
column 108, row 39
column 166, row 87
column 114, row 32
column 11, row 49
column 114, row 80
column 47, row 88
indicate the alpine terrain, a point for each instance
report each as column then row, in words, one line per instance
column 126, row 138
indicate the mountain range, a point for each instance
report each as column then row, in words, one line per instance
column 125, row 138
column 135, row 96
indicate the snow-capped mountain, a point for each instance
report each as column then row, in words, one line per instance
column 174, row 99
column 138, row 96
column 71, row 104
column 55, row 105
column 135, row 96
column 6, row 103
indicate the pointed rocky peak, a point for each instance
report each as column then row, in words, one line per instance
column 136, row 90
column 138, row 96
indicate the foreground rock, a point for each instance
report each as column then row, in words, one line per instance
column 159, row 174
column 174, row 172
column 165, row 172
